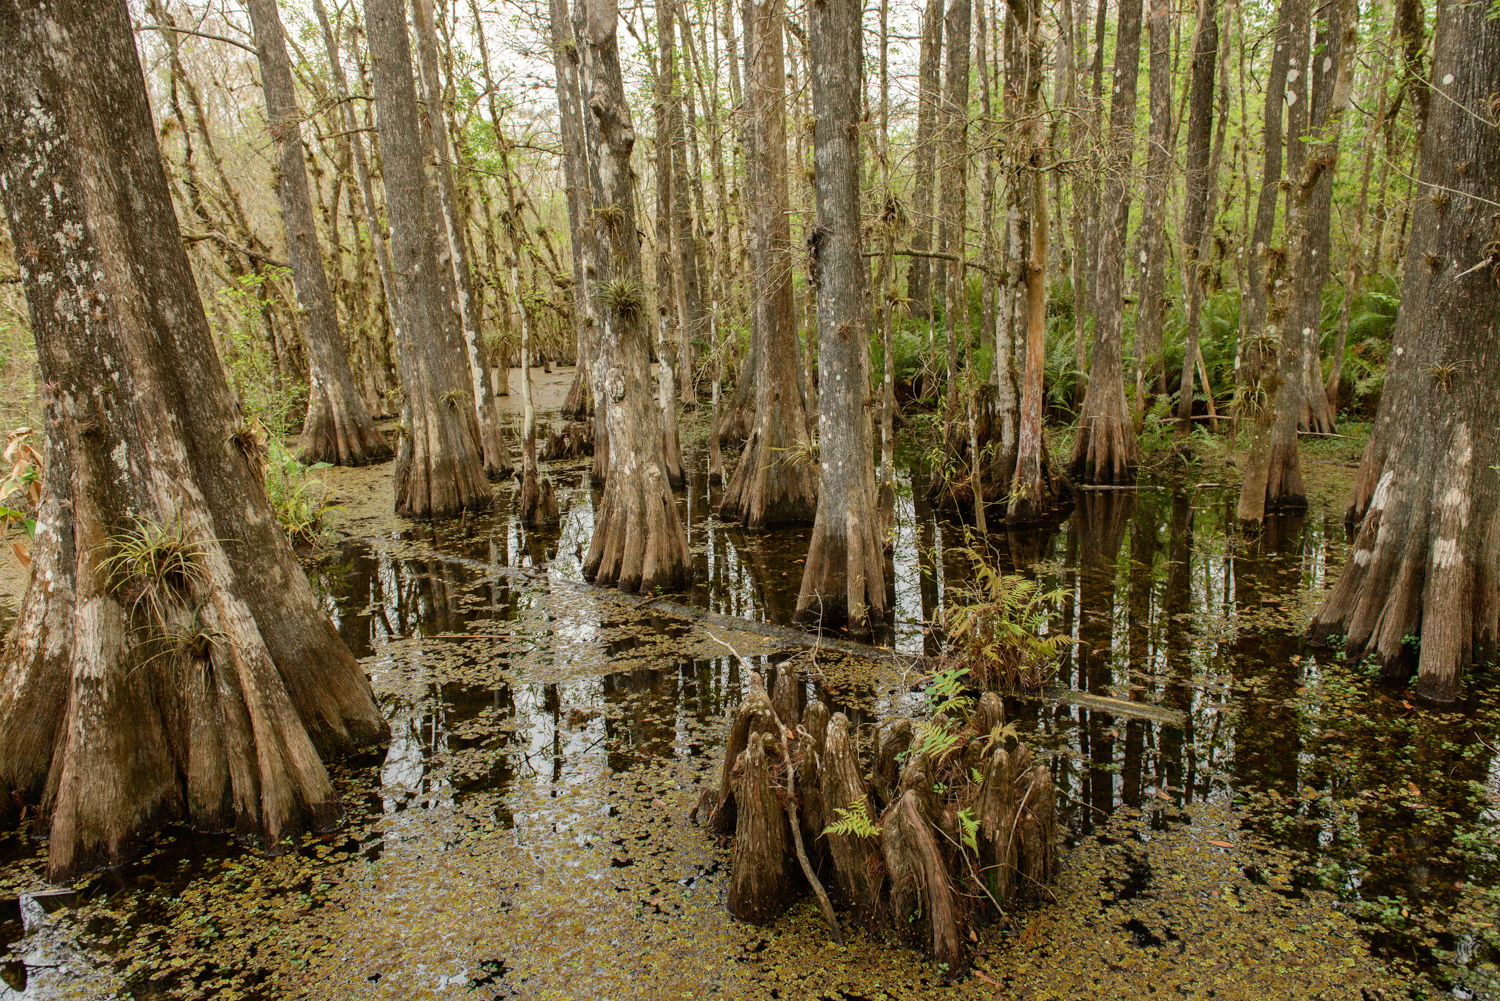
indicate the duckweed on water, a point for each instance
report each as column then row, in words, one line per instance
column 525, row 835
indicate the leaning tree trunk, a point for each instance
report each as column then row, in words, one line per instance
column 775, row 481
column 438, row 468
column 844, row 578
column 639, row 542
column 1427, row 551
column 338, row 428
column 170, row 659
column 1104, row 449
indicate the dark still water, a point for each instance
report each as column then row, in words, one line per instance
column 1300, row 833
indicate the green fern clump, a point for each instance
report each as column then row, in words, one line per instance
column 301, row 501
column 1000, row 629
column 854, row 822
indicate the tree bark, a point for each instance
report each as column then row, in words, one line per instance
column 954, row 200
column 1195, row 203
column 775, row 480
column 438, row 464
column 1426, row 558
column 919, row 275
column 338, row 428
column 844, row 577
column 671, row 295
column 1034, row 491
column 1150, row 369
column 639, row 542
column 496, row 455
column 211, row 690
column 1104, row 449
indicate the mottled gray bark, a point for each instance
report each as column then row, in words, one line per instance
column 1426, row 555
column 844, row 577
column 210, row 693
column 438, row 463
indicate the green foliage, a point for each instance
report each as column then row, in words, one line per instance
column 946, row 692
column 996, row 625
column 24, row 477
column 854, row 822
column 156, row 565
column 969, row 826
column 257, row 383
column 301, row 501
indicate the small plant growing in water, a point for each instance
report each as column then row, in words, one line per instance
column 996, row 626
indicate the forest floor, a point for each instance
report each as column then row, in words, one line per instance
column 525, row 832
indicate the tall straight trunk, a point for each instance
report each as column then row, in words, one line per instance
column 1034, row 492
column 954, row 201
column 1087, row 218
column 338, row 428
column 844, row 577
column 889, row 222
column 1150, row 368
column 1254, row 354
column 639, row 542
column 671, row 296
column 1309, row 276
column 1195, row 202
column 1424, row 562
column 128, row 699
column 689, row 291
column 1104, row 449
column 1273, row 477
column 775, row 481
column 920, row 273
column 1352, row 271
column 438, row 468
column 497, row 460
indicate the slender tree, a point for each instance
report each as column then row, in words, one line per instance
column 338, row 428
column 1150, row 370
column 1426, row 555
column 496, row 455
column 1195, row 215
column 775, row 481
column 919, row 276
column 438, row 464
column 1104, row 449
column 844, row 578
column 170, row 659
column 639, row 542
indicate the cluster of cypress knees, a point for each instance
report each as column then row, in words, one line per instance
column 951, row 823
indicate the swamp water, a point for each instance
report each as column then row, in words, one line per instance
column 1302, row 833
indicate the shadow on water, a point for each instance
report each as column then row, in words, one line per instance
column 510, row 684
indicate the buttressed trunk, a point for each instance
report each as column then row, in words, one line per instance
column 170, row 660
column 639, row 542
column 338, row 428
column 439, row 472
column 774, row 482
column 844, row 577
column 1427, row 550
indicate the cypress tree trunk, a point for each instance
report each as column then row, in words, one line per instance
column 170, row 660
column 497, row 460
column 1104, row 450
column 1426, row 555
column 844, row 578
column 954, row 200
column 1034, row 493
column 1150, row 369
column 669, row 280
column 775, row 481
column 1251, row 356
column 919, row 277
column 338, row 428
column 1195, row 207
column 438, row 468
column 639, row 542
